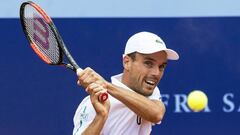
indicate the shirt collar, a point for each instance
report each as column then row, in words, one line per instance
column 117, row 80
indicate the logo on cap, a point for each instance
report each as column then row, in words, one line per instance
column 158, row 41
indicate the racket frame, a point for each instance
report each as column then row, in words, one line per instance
column 62, row 47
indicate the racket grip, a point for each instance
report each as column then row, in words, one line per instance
column 79, row 70
column 102, row 97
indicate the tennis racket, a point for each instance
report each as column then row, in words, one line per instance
column 45, row 39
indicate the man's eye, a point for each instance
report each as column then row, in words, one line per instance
column 162, row 67
column 148, row 63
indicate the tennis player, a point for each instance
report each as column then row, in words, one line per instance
column 134, row 102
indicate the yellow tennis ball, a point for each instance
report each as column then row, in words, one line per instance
column 197, row 100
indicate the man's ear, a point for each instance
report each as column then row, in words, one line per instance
column 126, row 62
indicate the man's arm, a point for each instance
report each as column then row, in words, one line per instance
column 150, row 110
column 101, row 108
column 96, row 126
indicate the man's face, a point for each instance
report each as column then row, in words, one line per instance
column 145, row 72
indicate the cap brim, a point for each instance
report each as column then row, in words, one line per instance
column 171, row 54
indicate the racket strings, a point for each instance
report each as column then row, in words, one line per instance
column 41, row 35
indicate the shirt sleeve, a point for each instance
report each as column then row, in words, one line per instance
column 84, row 115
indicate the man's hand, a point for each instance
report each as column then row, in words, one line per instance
column 95, row 85
column 88, row 76
column 101, row 108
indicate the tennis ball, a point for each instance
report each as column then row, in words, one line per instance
column 197, row 100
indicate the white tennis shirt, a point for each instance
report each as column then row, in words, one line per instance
column 121, row 120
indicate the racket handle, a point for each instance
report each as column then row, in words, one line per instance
column 79, row 70
column 102, row 97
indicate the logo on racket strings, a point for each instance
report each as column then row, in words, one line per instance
column 41, row 33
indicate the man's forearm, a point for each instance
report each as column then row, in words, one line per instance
column 96, row 126
column 149, row 110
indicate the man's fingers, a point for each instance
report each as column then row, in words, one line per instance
column 98, row 93
column 87, row 76
column 94, row 88
column 90, row 87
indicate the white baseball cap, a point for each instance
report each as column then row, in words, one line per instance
column 148, row 43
